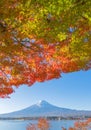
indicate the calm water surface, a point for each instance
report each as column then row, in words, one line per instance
column 21, row 125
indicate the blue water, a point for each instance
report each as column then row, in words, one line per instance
column 21, row 125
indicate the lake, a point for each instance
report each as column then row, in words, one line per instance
column 21, row 125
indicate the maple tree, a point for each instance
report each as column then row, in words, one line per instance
column 82, row 125
column 41, row 39
column 43, row 124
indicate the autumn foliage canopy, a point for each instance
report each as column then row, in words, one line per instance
column 41, row 39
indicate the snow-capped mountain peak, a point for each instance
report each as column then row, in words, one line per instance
column 43, row 108
column 42, row 103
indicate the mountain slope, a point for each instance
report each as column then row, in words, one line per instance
column 43, row 108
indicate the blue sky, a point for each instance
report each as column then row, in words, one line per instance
column 73, row 91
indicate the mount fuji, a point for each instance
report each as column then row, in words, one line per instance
column 45, row 109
